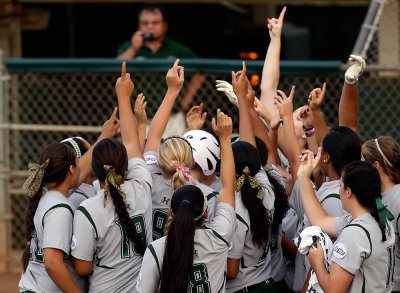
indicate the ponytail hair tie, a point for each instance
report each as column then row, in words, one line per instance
column 34, row 181
column 185, row 171
column 384, row 214
column 252, row 180
column 185, row 201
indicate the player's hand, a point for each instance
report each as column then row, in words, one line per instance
column 175, row 77
column 284, row 104
column 316, row 256
column 275, row 25
column 137, row 40
column 124, row 85
column 140, row 109
column 307, row 164
column 226, row 87
column 240, row 82
column 251, row 94
column 316, row 98
column 275, row 121
column 195, row 118
column 223, row 126
column 307, row 118
column 260, row 108
column 110, row 126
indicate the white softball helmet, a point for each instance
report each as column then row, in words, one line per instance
column 206, row 150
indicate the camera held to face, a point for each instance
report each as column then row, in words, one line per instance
column 147, row 37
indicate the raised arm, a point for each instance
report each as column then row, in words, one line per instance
column 348, row 107
column 270, row 74
column 175, row 79
column 223, row 129
column 141, row 119
column 315, row 100
column 312, row 207
column 285, row 106
column 240, row 87
column 130, row 136
column 110, row 128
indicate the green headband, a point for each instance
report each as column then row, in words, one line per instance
column 384, row 214
column 102, row 173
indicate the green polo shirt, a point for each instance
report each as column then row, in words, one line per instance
column 169, row 49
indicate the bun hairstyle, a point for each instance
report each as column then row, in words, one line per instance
column 386, row 151
column 52, row 167
column 188, row 206
column 175, row 151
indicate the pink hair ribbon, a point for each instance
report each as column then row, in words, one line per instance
column 184, row 171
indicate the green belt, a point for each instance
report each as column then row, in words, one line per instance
column 270, row 283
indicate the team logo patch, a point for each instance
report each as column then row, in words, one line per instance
column 339, row 251
column 150, row 159
column 73, row 243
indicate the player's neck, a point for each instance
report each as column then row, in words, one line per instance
column 208, row 180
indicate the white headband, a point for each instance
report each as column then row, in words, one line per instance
column 75, row 146
column 379, row 149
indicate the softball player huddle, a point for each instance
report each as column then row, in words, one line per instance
column 200, row 213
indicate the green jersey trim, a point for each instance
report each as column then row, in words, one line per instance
column 87, row 215
column 243, row 221
column 61, row 205
column 333, row 195
column 366, row 232
column 216, row 234
column 81, row 193
column 153, row 252
column 212, row 194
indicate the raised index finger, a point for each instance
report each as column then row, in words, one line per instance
column 244, row 68
column 123, row 70
column 176, row 63
column 114, row 114
column 282, row 15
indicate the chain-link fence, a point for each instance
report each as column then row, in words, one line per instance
column 48, row 107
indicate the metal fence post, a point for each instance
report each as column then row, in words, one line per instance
column 5, row 216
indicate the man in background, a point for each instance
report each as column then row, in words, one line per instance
column 150, row 41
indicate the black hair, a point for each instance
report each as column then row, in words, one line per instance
column 82, row 147
column 365, row 183
column 246, row 155
column 60, row 158
column 152, row 7
column 187, row 203
column 281, row 203
column 112, row 152
column 343, row 146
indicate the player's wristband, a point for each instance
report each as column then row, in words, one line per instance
column 309, row 131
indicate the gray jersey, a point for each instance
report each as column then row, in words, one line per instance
column 52, row 213
column 162, row 192
column 328, row 196
column 99, row 236
column 84, row 191
column 360, row 251
column 391, row 198
column 211, row 244
column 255, row 264
column 217, row 184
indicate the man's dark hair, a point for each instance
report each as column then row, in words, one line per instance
column 152, row 7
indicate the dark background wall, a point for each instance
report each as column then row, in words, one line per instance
column 326, row 32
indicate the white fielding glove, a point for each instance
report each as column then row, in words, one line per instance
column 353, row 73
column 226, row 87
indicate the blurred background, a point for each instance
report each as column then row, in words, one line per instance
column 58, row 67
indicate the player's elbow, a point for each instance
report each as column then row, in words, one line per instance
column 52, row 265
column 82, row 267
